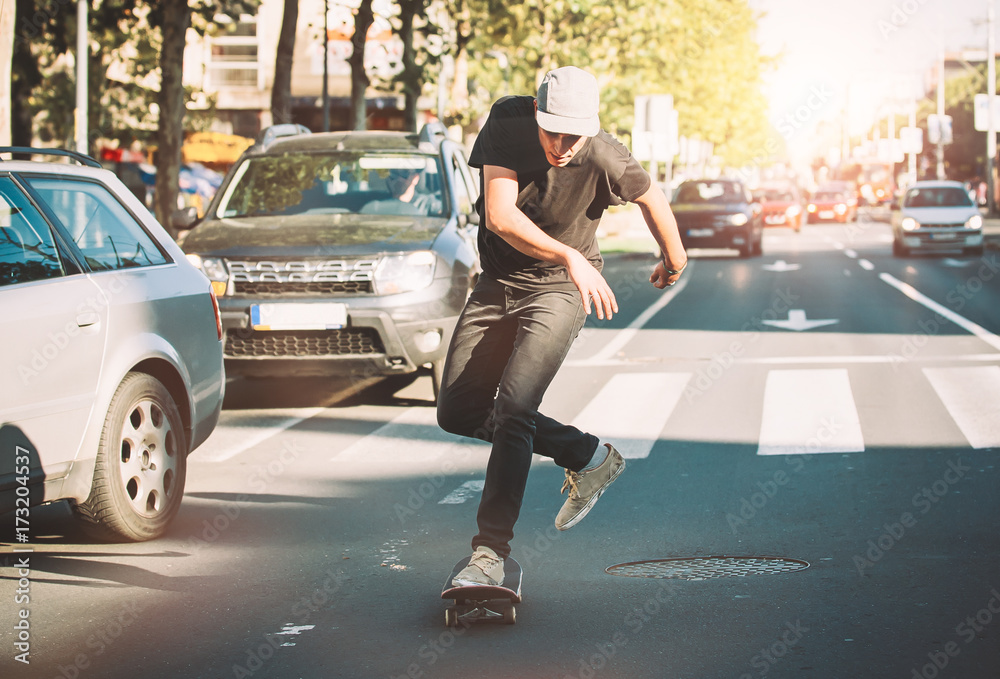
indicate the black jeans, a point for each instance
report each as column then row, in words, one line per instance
column 506, row 350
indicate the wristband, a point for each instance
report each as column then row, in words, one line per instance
column 671, row 272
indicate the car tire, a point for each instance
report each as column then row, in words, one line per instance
column 899, row 250
column 974, row 251
column 141, row 464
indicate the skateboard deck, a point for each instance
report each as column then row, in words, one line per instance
column 480, row 603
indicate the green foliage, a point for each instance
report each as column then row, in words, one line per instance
column 702, row 52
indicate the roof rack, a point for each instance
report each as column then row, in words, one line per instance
column 269, row 134
column 81, row 158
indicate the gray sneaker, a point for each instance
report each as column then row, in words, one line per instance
column 586, row 487
column 485, row 569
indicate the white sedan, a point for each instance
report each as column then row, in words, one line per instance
column 936, row 215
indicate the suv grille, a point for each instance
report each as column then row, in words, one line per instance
column 302, row 277
column 291, row 343
column 941, row 226
column 293, row 288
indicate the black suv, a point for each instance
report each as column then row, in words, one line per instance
column 342, row 253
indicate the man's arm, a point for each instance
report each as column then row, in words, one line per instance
column 660, row 220
column 505, row 219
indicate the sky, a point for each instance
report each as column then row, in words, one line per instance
column 858, row 54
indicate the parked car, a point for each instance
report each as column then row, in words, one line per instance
column 781, row 205
column 112, row 355
column 718, row 213
column 936, row 215
column 341, row 254
column 833, row 202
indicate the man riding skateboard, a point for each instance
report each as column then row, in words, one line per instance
column 548, row 172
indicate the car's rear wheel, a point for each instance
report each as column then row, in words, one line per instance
column 141, row 464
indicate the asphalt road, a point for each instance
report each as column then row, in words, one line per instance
column 824, row 405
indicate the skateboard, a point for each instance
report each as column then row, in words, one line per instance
column 476, row 603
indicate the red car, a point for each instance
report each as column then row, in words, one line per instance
column 832, row 204
column 780, row 206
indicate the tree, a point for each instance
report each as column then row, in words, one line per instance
column 412, row 75
column 364, row 17
column 6, row 58
column 281, row 90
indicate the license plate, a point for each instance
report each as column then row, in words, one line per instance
column 775, row 219
column 319, row 316
column 701, row 233
column 942, row 236
column 826, row 214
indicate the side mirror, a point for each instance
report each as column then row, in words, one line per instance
column 184, row 219
column 470, row 219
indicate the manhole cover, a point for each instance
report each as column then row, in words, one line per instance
column 707, row 567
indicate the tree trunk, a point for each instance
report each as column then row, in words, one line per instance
column 6, row 63
column 281, row 91
column 176, row 20
column 411, row 76
column 363, row 20
column 25, row 76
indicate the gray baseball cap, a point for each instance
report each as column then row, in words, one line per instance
column 569, row 102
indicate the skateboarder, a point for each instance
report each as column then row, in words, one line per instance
column 548, row 172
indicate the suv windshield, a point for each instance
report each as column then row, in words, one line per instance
column 331, row 183
column 709, row 192
column 948, row 196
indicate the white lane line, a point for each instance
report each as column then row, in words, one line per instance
column 631, row 410
column 851, row 253
column 879, row 358
column 626, row 335
column 972, row 397
column 809, row 411
column 463, row 493
column 258, row 436
column 961, row 321
column 866, row 265
column 290, row 630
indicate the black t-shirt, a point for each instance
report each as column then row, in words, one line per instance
column 565, row 202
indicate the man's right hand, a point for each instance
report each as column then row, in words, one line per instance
column 592, row 286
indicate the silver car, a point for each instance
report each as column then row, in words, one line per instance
column 936, row 215
column 112, row 366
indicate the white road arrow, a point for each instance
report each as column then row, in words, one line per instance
column 797, row 321
column 781, row 266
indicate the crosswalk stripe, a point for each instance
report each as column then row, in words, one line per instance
column 412, row 435
column 972, row 397
column 631, row 410
column 809, row 411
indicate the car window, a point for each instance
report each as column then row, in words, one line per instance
column 27, row 248
column 105, row 232
column 946, row 196
column 353, row 183
column 710, row 192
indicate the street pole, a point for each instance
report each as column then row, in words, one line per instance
column 912, row 165
column 326, row 59
column 82, row 57
column 991, row 89
column 940, row 112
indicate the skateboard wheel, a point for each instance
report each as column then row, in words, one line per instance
column 450, row 617
column 510, row 615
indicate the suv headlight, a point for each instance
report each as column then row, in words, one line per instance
column 738, row 219
column 214, row 269
column 405, row 273
column 975, row 222
column 909, row 224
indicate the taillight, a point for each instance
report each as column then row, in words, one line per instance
column 218, row 314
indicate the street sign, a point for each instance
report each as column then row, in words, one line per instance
column 939, row 129
column 981, row 112
column 911, row 140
